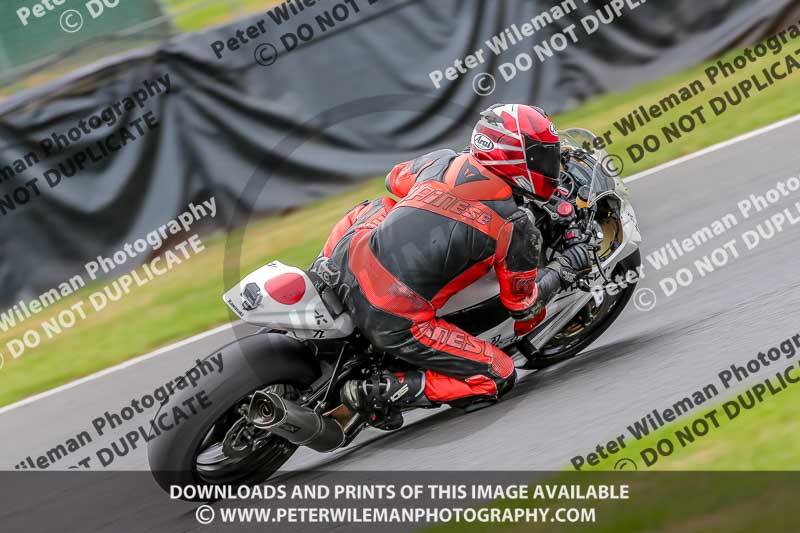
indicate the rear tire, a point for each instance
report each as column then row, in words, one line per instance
column 213, row 466
column 191, row 452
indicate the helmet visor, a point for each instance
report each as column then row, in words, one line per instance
column 545, row 159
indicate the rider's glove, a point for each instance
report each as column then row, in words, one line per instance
column 573, row 264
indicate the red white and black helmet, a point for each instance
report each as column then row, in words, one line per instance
column 520, row 144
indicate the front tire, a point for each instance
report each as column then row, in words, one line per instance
column 567, row 344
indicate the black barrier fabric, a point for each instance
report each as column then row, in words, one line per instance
column 306, row 103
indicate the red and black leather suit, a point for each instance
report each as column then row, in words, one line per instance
column 398, row 262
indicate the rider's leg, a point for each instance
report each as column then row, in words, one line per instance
column 458, row 367
column 458, row 364
column 397, row 320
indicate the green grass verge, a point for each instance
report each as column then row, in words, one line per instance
column 760, row 438
column 187, row 300
column 668, row 502
column 186, row 16
column 195, row 15
column 739, row 477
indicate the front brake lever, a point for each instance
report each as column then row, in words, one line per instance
column 600, row 265
column 582, row 283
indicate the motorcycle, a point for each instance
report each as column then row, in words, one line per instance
column 282, row 386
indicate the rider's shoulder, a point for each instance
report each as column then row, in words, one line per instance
column 444, row 156
column 432, row 165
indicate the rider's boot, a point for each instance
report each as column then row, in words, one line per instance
column 475, row 403
column 384, row 396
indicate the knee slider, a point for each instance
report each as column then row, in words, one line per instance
column 506, row 384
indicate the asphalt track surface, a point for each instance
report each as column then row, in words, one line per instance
column 647, row 360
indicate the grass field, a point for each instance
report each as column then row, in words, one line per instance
column 184, row 15
column 194, row 15
column 761, row 438
column 667, row 502
column 740, row 477
column 187, row 301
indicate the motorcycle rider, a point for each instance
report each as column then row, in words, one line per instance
column 394, row 263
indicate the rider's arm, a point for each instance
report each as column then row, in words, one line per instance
column 524, row 288
column 343, row 226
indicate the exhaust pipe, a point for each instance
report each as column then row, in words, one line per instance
column 297, row 424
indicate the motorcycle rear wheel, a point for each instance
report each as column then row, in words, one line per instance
column 191, row 453
column 213, row 466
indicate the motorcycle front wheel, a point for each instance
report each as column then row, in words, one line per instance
column 591, row 323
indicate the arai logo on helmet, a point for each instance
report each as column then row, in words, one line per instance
column 482, row 142
column 553, row 130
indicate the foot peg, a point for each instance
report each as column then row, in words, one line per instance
column 531, row 355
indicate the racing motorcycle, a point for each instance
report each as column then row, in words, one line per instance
column 281, row 385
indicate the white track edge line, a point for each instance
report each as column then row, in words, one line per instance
column 112, row 369
column 714, row 148
column 141, row 358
